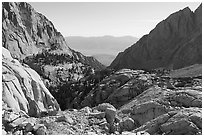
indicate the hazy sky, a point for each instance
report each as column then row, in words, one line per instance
column 108, row 18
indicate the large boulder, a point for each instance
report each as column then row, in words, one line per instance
column 127, row 124
column 110, row 112
column 23, row 89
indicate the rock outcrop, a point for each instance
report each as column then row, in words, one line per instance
column 145, row 102
column 175, row 42
column 23, row 89
column 119, row 88
column 164, row 111
column 186, row 121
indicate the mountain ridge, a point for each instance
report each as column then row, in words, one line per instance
column 166, row 44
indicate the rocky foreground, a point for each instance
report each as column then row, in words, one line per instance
column 139, row 103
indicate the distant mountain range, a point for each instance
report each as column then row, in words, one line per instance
column 174, row 43
column 103, row 48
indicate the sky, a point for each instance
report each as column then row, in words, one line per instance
column 108, row 18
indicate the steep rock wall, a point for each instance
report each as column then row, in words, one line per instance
column 174, row 43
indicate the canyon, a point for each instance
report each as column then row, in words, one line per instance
column 152, row 88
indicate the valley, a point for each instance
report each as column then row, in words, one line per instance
column 49, row 87
column 103, row 48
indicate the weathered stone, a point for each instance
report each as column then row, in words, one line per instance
column 29, row 133
column 18, row 132
column 86, row 110
column 36, row 126
column 178, row 127
column 128, row 133
column 65, row 118
column 52, row 112
column 104, row 106
column 99, row 115
column 110, row 115
column 106, row 127
column 41, row 131
column 29, row 127
column 147, row 111
column 22, row 125
column 118, row 91
column 26, row 90
column 197, row 119
column 175, row 123
column 19, row 121
column 117, row 119
column 10, row 116
column 126, row 111
column 127, row 124
column 188, row 98
column 104, row 124
column 30, row 120
column 91, row 133
column 142, row 133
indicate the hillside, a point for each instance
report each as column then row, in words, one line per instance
column 190, row 71
column 174, row 43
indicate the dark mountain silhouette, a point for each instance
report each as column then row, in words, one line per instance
column 174, row 43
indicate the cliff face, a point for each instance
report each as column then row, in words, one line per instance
column 23, row 88
column 26, row 32
column 174, row 43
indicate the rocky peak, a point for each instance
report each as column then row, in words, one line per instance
column 174, row 43
column 26, row 32
column 198, row 15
